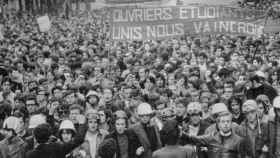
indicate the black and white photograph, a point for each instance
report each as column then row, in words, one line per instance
column 139, row 78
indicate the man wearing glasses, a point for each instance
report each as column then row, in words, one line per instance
column 31, row 104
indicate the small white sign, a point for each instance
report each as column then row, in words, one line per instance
column 44, row 23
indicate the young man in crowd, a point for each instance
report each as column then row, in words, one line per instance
column 148, row 134
column 222, row 143
column 252, row 130
column 170, row 134
column 12, row 145
column 195, row 126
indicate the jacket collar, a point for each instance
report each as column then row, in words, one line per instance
column 14, row 140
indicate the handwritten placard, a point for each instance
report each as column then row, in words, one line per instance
column 44, row 23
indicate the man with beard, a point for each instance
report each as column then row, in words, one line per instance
column 32, row 87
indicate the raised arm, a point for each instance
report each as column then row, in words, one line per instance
column 204, row 140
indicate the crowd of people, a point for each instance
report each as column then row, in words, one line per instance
column 257, row 4
column 271, row 6
column 74, row 93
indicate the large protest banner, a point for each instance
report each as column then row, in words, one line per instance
column 128, row 23
column 272, row 26
column 129, row 1
column 215, row 2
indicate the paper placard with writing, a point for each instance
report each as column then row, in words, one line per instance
column 44, row 23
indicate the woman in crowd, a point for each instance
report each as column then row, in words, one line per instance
column 235, row 107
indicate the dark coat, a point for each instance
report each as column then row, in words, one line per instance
column 260, row 139
column 141, row 134
column 57, row 150
column 133, row 142
column 30, row 142
column 202, row 127
column 263, row 89
column 218, row 146
column 271, row 138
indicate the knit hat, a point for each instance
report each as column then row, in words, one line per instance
column 92, row 114
column 120, row 114
column 42, row 133
column 219, row 108
column 249, row 105
column 263, row 98
column 93, row 93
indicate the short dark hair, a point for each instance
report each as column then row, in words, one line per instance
column 6, row 79
column 255, row 78
column 107, row 112
column 42, row 133
column 5, row 110
column 202, row 55
column 170, row 132
column 107, row 148
column 55, row 88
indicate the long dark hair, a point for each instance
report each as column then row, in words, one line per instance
column 238, row 100
column 68, row 131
